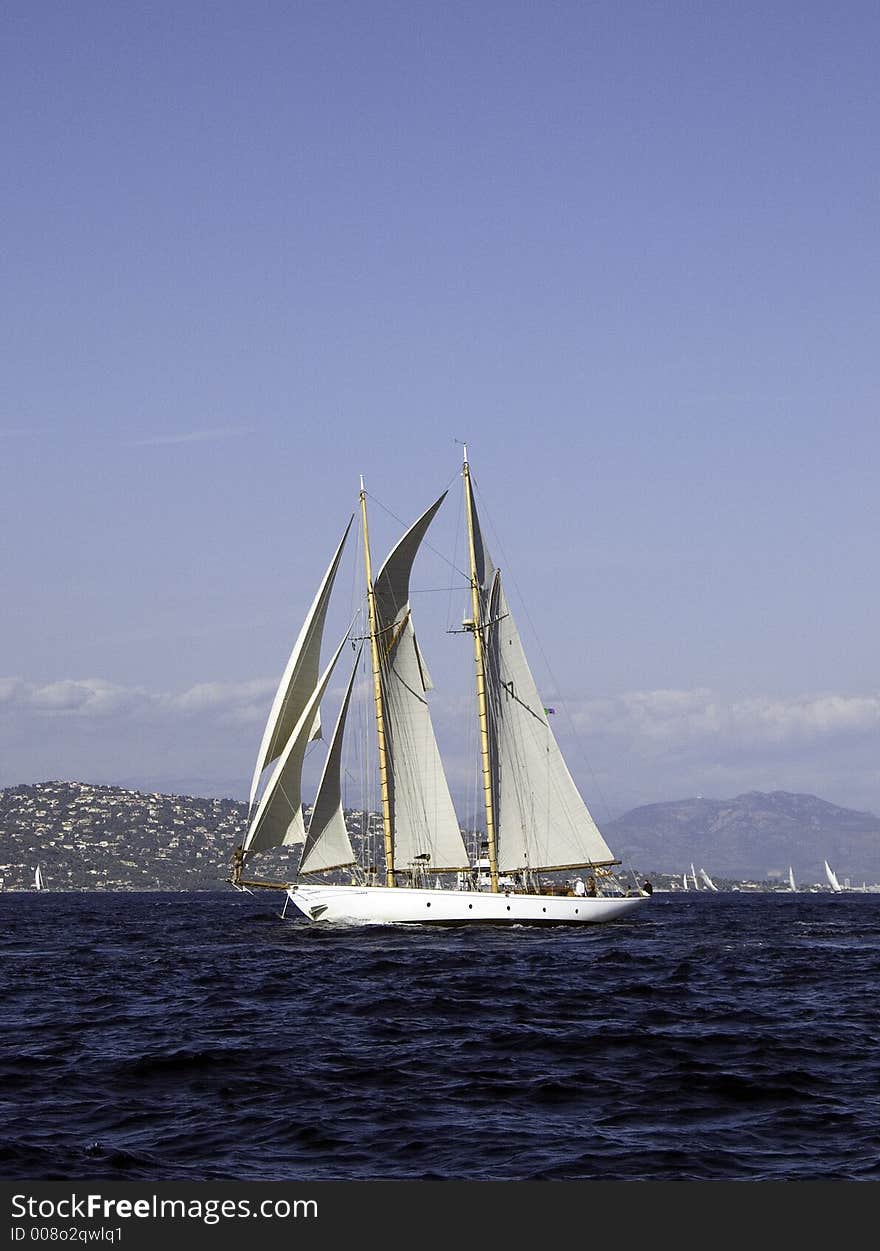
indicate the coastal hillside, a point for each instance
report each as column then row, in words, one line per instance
column 108, row 838
column 753, row 836
column 88, row 837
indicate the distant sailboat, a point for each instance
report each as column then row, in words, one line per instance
column 791, row 881
column 39, row 884
column 705, row 876
column 694, row 878
column 684, row 881
column 832, row 878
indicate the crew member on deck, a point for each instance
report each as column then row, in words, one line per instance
column 591, row 885
column 237, row 863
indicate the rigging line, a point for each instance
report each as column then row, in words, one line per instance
column 453, row 568
column 426, row 542
column 509, row 691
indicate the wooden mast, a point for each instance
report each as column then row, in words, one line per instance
column 377, row 697
column 479, row 659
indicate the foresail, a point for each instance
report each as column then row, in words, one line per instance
column 299, row 678
column 278, row 820
column 423, row 816
column 541, row 819
column 327, row 844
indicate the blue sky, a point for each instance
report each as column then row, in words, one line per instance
column 628, row 251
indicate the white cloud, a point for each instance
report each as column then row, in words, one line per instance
column 636, row 747
column 676, row 718
column 190, row 436
column 11, row 690
column 88, row 696
column 241, row 701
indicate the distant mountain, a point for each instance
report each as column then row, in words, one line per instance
column 754, row 836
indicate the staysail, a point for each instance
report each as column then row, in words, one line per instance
column 298, row 680
column 327, row 844
column 278, row 820
column 423, row 820
column 540, row 818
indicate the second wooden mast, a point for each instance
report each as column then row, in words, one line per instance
column 378, row 699
column 480, row 664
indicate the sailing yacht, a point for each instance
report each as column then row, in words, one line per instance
column 39, row 884
column 791, row 882
column 535, row 819
column 831, row 878
column 710, row 885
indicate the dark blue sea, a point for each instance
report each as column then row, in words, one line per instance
column 196, row 1037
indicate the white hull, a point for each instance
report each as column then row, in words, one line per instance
column 377, row 905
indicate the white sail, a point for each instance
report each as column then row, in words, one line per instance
column 694, row 878
column 38, row 879
column 684, row 881
column 278, row 820
column 832, row 878
column 327, row 844
column 541, row 821
column 299, row 678
column 422, row 813
column 791, row 882
column 709, row 883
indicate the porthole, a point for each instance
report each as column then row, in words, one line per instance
column 429, row 905
column 470, row 905
column 508, row 907
column 543, row 909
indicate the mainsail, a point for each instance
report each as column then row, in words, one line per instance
column 791, row 882
column 540, row 818
column 709, row 883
